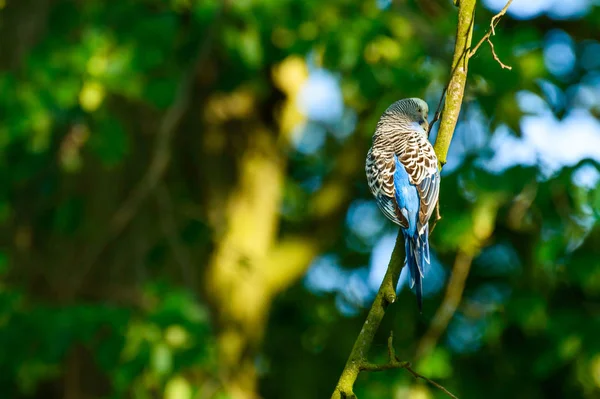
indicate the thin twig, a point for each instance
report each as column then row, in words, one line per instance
column 503, row 65
column 494, row 21
column 395, row 363
column 357, row 361
column 438, row 217
column 438, row 111
column 435, row 384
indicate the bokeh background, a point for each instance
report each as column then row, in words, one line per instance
column 184, row 212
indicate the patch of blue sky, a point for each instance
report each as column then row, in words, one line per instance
column 356, row 290
column 523, row 9
column 587, row 93
column 308, row 138
column 556, row 9
column 365, row 220
column 380, row 256
column 470, row 137
column 546, row 141
column 383, row 4
column 345, row 307
column 531, row 103
column 583, row 96
column 325, row 275
column 553, row 95
column 559, row 53
column 320, row 99
column 586, row 176
column 572, row 9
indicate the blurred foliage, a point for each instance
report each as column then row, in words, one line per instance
column 155, row 228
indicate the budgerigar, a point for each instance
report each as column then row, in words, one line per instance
column 402, row 172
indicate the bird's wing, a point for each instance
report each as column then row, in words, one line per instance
column 429, row 191
column 418, row 158
column 407, row 196
column 380, row 176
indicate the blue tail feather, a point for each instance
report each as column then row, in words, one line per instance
column 417, row 254
column 424, row 237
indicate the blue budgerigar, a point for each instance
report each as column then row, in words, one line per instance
column 402, row 172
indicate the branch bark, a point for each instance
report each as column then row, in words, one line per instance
column 456, row 87
column 385, row 296
column 465, row 255
column 357, row 361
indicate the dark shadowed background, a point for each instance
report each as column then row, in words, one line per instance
column 184, row 212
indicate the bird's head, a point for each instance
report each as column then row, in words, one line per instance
column 408, row 111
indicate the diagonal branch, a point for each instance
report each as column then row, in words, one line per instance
column 387, row 291
column 458, row 79
column 494, row 21
column 385, row 297
column 395, row 363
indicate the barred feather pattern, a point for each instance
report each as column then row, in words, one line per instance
column 403, row 176
column 397, row 134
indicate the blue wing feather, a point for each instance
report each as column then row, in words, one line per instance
column 416, row 240
column 407, row 196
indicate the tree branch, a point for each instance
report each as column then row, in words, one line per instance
column 464, row 258
column 395, row 363
column 387, row 291
column 491, row 32
column 385, row 296
column 456, row 87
